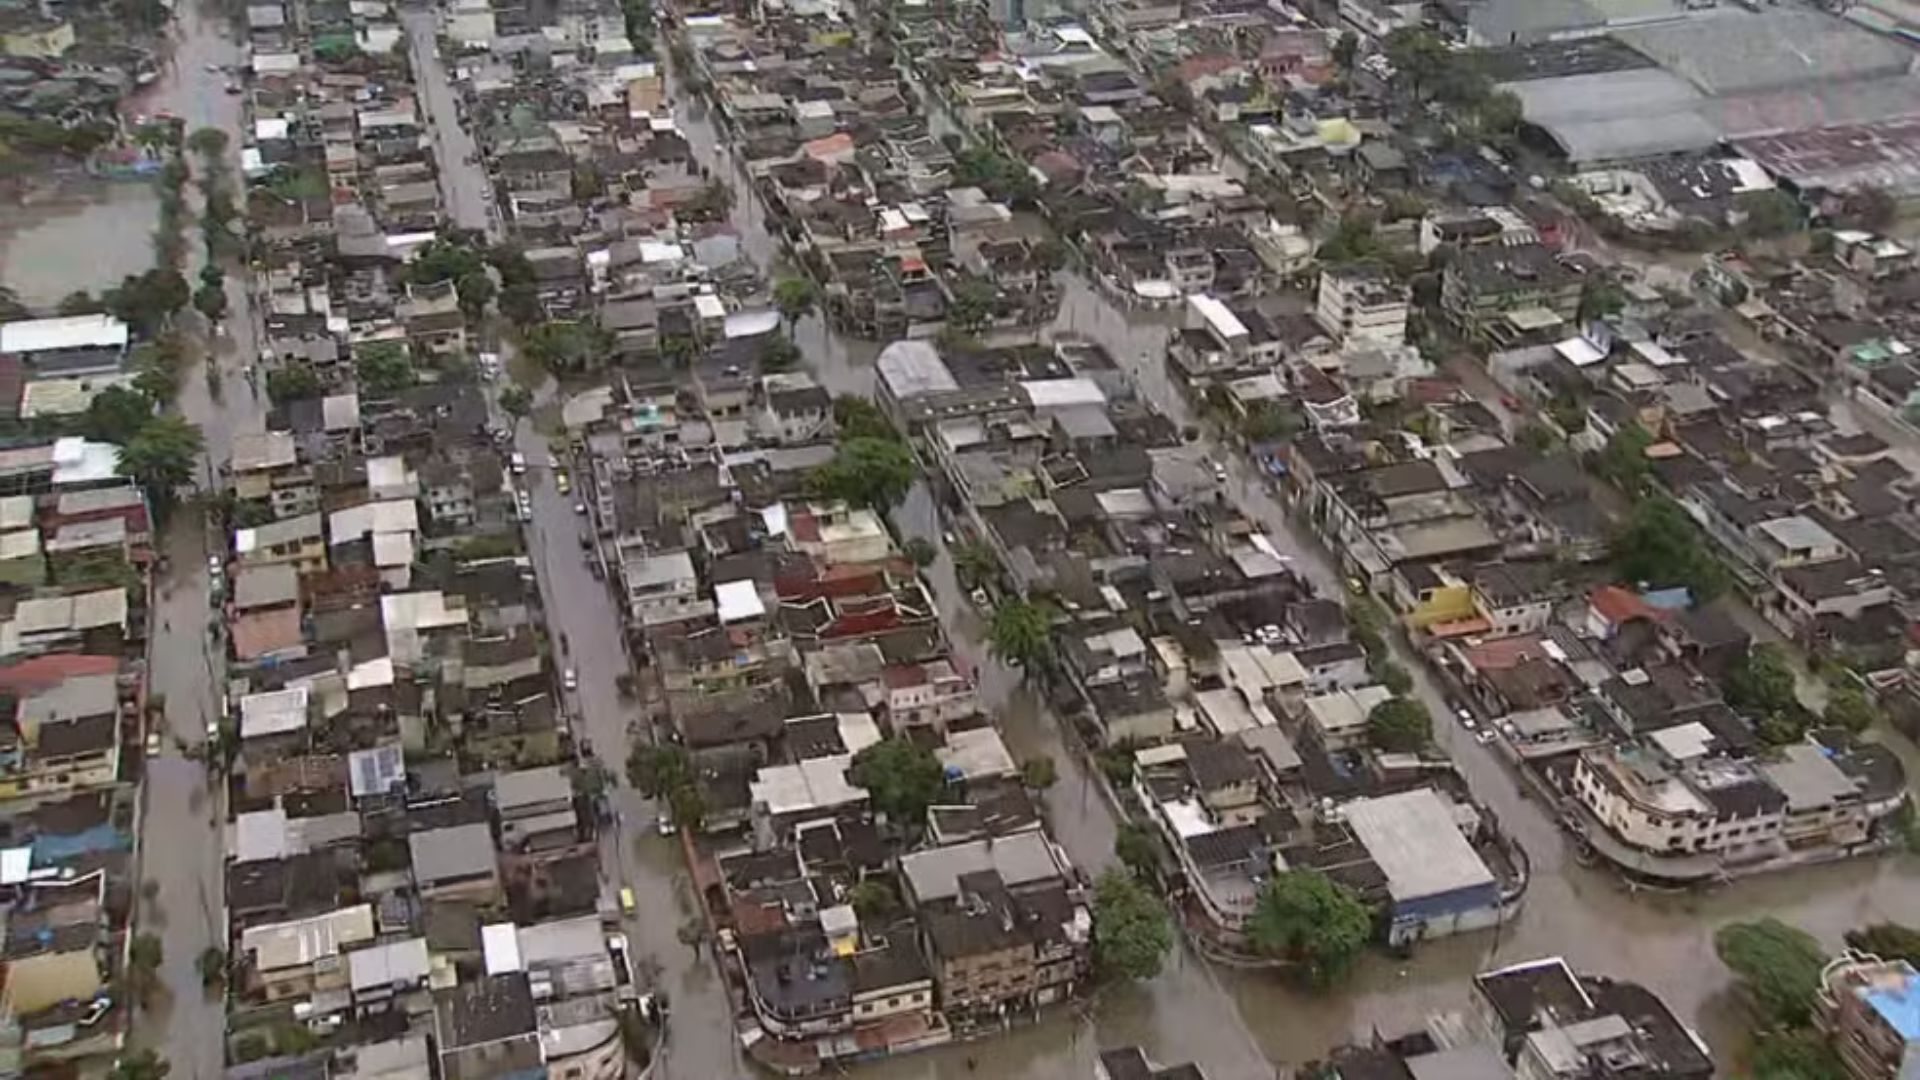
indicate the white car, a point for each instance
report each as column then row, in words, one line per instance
column 216, row 566
column 518, row 461
column 153, row 744
column 579, row 508
column 570, row 679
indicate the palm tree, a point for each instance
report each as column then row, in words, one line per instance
column 1021, row 634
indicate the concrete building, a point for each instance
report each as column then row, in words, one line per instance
column 1362, row 307
column 1437, row 883
column 1870, row 1008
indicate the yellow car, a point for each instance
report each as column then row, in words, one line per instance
column 627, row 904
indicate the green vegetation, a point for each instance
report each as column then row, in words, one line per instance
column 1307, row 918
column 1659, row 545
column 1888, row 941
column 1039, row 773
column 383, row 368
column 855, row 417
column 161, row 457
column 146, row 301
column 665, row 771
column 141, row 1065
column 1777, row 969
column 867, row 471
column 1624, row 462
column 1849, row 707
column 1131, row 930
column 1769, row 213
column 1795, row 1054
column 873, row 900
column 778, row 354
column 796, row 297
column 568, row 347
column 1001, row 177
column 114, row 412
column 902, row 778
column 1399, row 726
column 213, row 967
column 1136, row 845
column 920, row 551
column 295, row 383
column 1020, row 634
column 516, row 400
column 1761, row 685
column 144, row 956
column 974, row 563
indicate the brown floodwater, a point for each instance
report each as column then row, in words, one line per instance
column 84, row 234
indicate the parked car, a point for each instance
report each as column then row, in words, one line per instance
column 570, row 679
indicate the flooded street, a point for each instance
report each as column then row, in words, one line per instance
column 1241, row 1024
column 84, row 239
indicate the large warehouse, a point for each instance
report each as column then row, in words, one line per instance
column 1436, row 883
column 1728, row 75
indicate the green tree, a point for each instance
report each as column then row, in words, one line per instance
column 80, row 302
column 1308, row 918
column 1352, row 240
column 1020, row 633
column 1131, row 930
column 1039, row 773
column 1660, row 545
column 144, row 957
column 161, row 457
column 875, row 473
column 1769, row 213
column 1394, row 677
column 383, row 367
column 566, row 347
column 520, row 303
column 516, row 400
column 1888, row 941
column 1136, row 845
column 1795, row 1054
column 920, row 551
column 141, row 1065
column 656, row 769
column 874, row 900
column 902, row 778
column 688, row 806
column 855, row 417
column 1399, row 725
column 1623, row 462
column 208, row 142
column 1761, row 681
column 211, row 301
column 1499, row 114
column 796, row 298
column 443, row 259
column 146, row 301
column 475, row 289
column 974, row 563
column 1599, row 298
column 973, row 306
column 116, row 414
column 293, row 383
column 1345, row 48
column 778, row 354
column 1848, row 706
column 213, row 967
column 1777, row 967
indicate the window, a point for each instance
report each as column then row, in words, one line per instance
column 893, row 1002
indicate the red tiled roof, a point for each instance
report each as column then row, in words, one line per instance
column 905, row 675
column 1504, row 652
column 1618, row 605
column 43, row 672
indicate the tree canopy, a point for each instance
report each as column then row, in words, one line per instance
column 1310, row 919
column 293, row 383
column 565, row 347
column 1660, row 546
column 116, row 414
column 1778, row 968
column 901, row 776
column 1020, row 633
column 795, row 297
column 1795, row 1054
column 383, row 367
column 1888, row 941
column 161, row 457
column 867, row 471
column 856, row 417
column 1761, row 685
column 1848, row 706
column 141, row 1065
column 1131, row 930
column 1399, row 725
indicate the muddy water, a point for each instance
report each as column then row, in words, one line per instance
column 1242, row 1025
column 87, row 236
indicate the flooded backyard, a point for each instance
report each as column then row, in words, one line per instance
column 87, row 236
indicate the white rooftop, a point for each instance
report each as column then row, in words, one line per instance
column 738, row 600
column 1414, row 840
column 66, row 332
